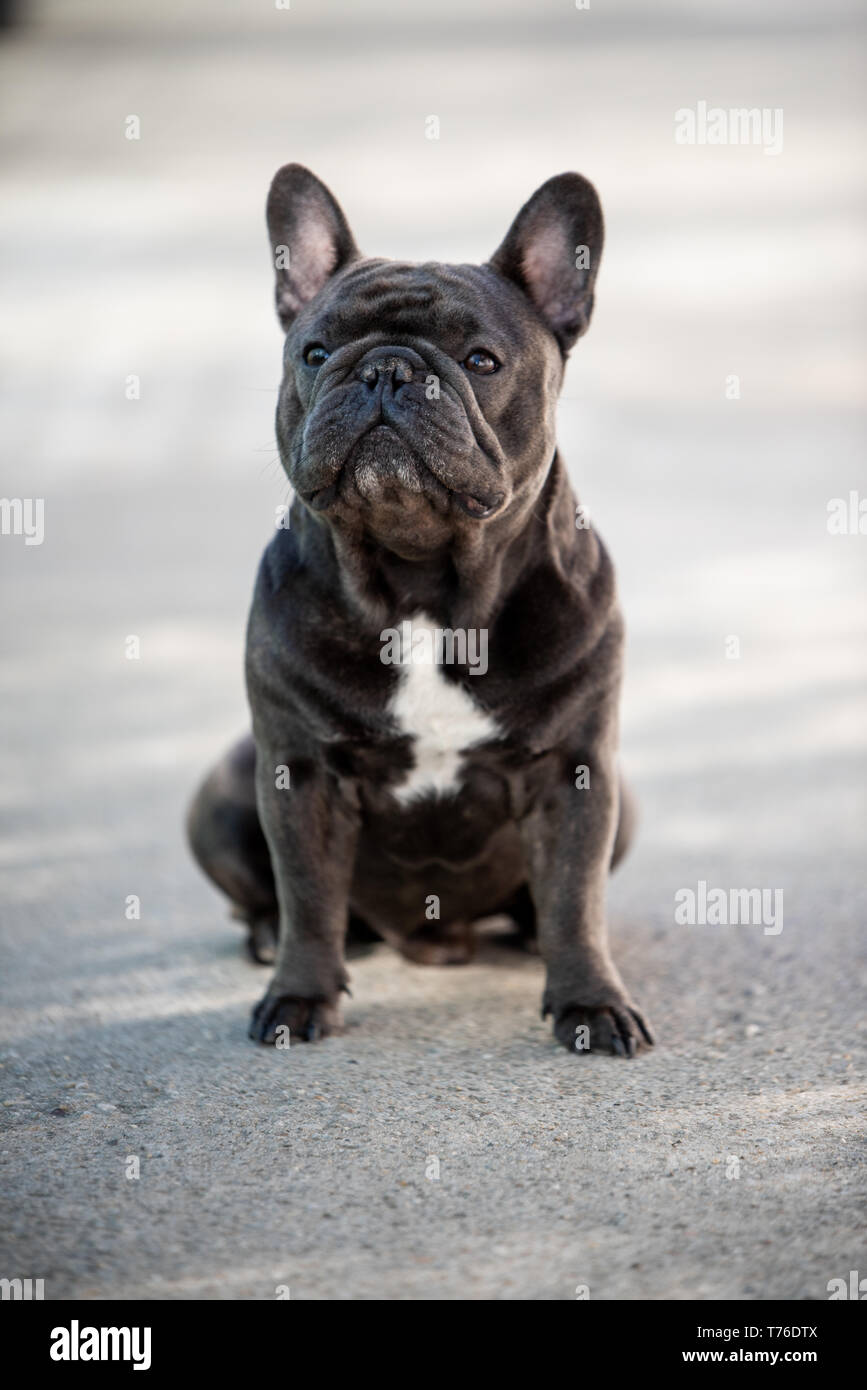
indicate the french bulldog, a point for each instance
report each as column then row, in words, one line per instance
column 434, row 648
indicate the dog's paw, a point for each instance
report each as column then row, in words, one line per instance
column 616, row 1027
column 285, row 1019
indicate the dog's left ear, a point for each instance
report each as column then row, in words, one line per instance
column 552, row 251
column 310, row 238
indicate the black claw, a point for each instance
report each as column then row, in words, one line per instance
column 645, row 1031
column 624, row 1032
column 617, row 1045
column 261, row 1029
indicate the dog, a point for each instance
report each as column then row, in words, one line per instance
column 434, row 648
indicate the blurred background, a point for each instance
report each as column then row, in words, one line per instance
column 147, row 258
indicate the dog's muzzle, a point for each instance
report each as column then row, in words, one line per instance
column 390, row 417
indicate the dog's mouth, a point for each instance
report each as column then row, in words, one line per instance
column 380, row 465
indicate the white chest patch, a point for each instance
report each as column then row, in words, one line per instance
column 439, row 716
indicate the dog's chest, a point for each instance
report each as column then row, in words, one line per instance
column 442, row 719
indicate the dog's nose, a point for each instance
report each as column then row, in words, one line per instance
column 389, row 367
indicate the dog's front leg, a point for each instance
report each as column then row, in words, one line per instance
column 568, row 843
column 311, row 831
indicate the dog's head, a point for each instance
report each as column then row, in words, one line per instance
column 419, row 400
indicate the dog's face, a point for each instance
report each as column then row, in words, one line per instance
column 418, row 400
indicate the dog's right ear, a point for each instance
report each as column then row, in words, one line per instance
column 310, row 238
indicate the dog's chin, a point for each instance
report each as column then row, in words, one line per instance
column 402, row 505
column 381, row 466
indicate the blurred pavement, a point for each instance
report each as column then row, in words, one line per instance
column 148, row 258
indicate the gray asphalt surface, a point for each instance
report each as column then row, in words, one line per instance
column 729, row 1162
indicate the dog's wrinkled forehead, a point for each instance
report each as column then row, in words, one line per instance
column 458, row 307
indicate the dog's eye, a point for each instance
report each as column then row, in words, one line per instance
column 314, row 356
column 482, row 362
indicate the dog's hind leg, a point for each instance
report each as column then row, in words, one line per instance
column 228, row 842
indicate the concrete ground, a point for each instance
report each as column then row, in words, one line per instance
column 445, row 1147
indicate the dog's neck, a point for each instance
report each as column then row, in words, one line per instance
column 464, row 583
